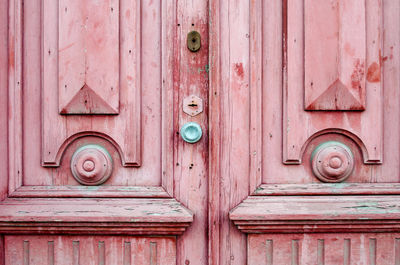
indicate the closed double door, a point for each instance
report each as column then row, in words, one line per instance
column 199, row 132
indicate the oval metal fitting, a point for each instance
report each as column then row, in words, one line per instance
column 332, row 161
column 193, row 41
column 191, row 132
column 91, row 165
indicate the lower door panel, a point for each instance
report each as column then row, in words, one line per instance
column 324, row 248
column 89, row 250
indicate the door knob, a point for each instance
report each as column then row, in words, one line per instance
column 191, row 132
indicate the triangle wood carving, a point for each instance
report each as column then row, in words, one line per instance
column 336, row 97
column 86, row 101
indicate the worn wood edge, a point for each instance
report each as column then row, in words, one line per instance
column 317, row 214
column 381, row 226
column 215, row 133
column 90, row 229
column 94, row 216
column 328, row 189
column 89, row 191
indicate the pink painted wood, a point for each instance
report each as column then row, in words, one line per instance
column 335, row 55
column 88, row 56
column 227, row 199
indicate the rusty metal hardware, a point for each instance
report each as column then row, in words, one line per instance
column 193, row 41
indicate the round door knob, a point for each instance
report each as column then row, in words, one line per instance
column 91, row 165
column 332, row 162
column 191, row 132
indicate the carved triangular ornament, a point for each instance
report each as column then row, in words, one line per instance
column 336, row 97
column 87, row 101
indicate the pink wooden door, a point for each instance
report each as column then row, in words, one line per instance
column 297, row 101
column 94, row 170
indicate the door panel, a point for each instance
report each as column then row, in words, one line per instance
column 323, row 123
column 346, row 248
column 50, row 250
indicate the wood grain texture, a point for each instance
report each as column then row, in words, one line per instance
column 215, row 137
column 299, row 127
column 190, row 75
column 234, row 45
column 335, row 55
column 87, row 192
column 149, row 143
column 94, row 60
column 296, row 214
column 88, row 57
column 328, row 189
column 4, row 64
column 337, row 248
column 78, row 250
column 94, row 216
column 274, row 118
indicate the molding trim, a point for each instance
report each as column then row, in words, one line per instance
column 296, row 214
column 94, row 216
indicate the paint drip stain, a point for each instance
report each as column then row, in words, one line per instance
column 374, row 73
column 239, row 70
column 357, row 75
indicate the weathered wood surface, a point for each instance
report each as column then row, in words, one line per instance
column 190, row 75
column 90, row 250
column 328, row 189
column 346, row 249
column 296, row 214
column 304, row 63
column 335, row 55
column 89, row 191
column 94, row 216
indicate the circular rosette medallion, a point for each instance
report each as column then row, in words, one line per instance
column 332, row 162
column 91, row 165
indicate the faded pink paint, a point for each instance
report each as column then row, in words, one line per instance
column 170, row 202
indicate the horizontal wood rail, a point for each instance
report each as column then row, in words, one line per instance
column 317, row 214
column 94, row 216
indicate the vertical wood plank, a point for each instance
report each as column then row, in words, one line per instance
column 256, row 91
column 234, row 123
column 214, row 146
column 372, row 251
column 15, row 84
column 190, row 72
column 397, row 251
column 321, row 252
column 295, row 252
column 168, row 39
column 4, row 64
column 347, row 251
column 2, row 251
column 269, row 251
column 75, row 253
column 26, row 252
column 127, row 253
column 50, row 252
column 153, row 253
column 101, row 253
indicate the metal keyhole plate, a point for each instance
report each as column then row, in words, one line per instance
column 192, row 105
column 193, row 41
column 191, row 132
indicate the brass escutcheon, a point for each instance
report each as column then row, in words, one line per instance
column 193, row 41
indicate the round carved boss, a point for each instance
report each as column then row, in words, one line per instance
column 91, row 165
column 332, row 162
